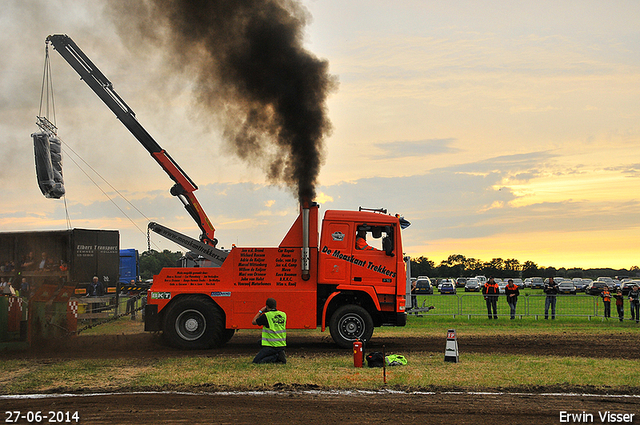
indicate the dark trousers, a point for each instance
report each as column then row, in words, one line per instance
column 620, row 311
column 550, row 301
column 512, row 305
column 607, row 308
column 131, row 307
column 270, row 355
column 492, row 304
column 635, row 310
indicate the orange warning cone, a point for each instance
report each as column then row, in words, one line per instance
column 451, row 350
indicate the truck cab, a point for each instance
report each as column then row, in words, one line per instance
column 361, row 274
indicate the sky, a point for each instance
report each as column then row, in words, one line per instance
column 498, row 129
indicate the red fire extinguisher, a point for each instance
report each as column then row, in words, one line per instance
column 358, row 354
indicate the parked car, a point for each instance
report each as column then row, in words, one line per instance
column 567, row 287
column 472, row 285
column 627, row 285
column 581, row 284
column 596, row 287
column 537, row 283
column 518, row 282
column 447, row 288
column 423, row 286
column 501, row 285
column 482, row 280
column 443, row 281
column 609, row 281
column 460, row 282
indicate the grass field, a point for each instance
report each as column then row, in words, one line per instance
column 425, row 370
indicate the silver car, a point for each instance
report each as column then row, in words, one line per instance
column 472, row 285
column 567, row 287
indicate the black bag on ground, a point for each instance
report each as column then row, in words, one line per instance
column 375, row 359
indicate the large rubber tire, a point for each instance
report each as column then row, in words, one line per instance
column 227, row 335
column 350, row 323
column 193, row 323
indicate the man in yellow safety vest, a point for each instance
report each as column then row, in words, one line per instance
column 274, row 333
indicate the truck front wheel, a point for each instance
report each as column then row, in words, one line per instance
column 350, row 323
column 193, row 323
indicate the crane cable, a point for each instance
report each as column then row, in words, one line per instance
column 48, row 103
column 47, row 100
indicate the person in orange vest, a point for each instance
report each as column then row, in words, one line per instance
column 361, row 241
column 491, row 292
column 512, row 292
column 606, row 300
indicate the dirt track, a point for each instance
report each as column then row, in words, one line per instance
column 304, row 405
column 288, row 407
column 616, row 345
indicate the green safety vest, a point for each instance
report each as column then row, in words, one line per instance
column 276, row 334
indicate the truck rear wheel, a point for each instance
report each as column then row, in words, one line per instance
column 350, row 323
column 193, row 323
column 227, row 335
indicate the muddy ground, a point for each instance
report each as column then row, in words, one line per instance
column 540, row 405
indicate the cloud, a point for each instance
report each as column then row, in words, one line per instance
column 414, row 149
column 629, row 170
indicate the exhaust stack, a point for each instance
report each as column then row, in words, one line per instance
column 306, row 256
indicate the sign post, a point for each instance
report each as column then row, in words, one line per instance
column 451, row 350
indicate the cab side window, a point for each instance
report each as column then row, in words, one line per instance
column 374, row 238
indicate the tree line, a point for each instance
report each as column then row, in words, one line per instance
column 457, row 265
column 151, row 262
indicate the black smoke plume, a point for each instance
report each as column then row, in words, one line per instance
column 252, row 74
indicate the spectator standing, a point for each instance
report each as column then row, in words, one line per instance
column 25, row 288
column 606, row 300
column 491, row 292
column 512, row 292
column 131, row 301
column 95, row 288
column 414, row 297
column 619, row 304
column 8, row 289
column 551, row 289
column 634, row 303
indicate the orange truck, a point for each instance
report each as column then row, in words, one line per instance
column 329, row 277
column 347, row 289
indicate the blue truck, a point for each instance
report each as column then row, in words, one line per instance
column 129, row 266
